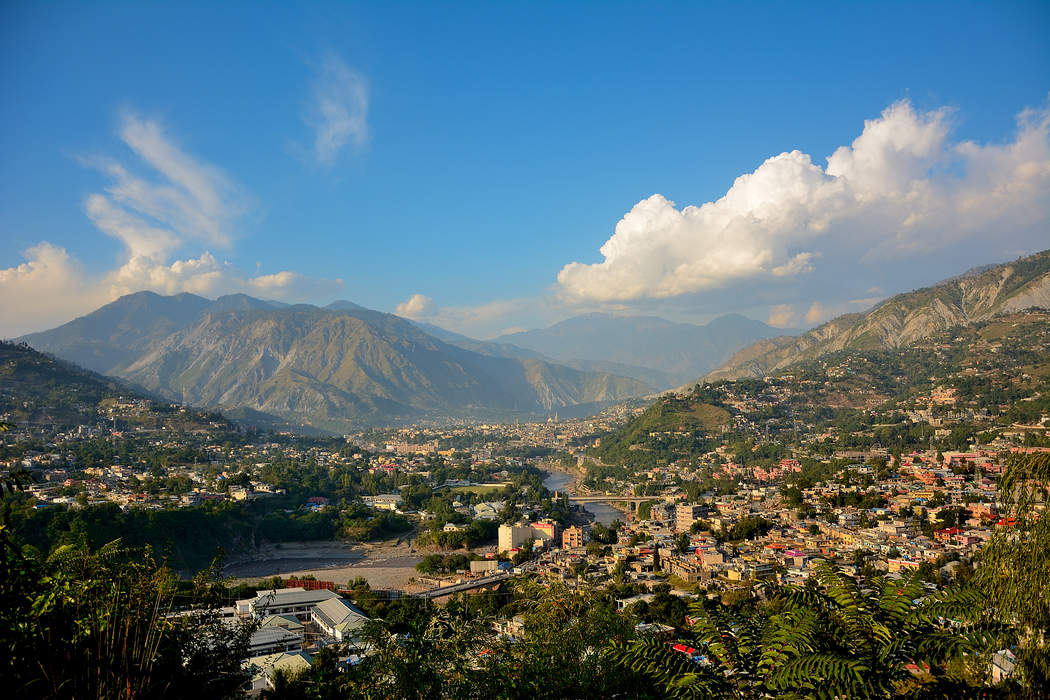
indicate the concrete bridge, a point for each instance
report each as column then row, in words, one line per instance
column 610, row 498
column 465, row 586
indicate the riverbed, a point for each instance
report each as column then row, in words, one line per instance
column 383, row 565
column 562, row 482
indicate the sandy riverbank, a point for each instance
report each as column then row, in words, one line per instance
column 383, row 565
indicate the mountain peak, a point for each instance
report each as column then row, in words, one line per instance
column 344, row 305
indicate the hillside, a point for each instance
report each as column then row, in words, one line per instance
column 649, row 348
column 38, row 389
column 674, row 426
column 330, row 369
column 904, row 319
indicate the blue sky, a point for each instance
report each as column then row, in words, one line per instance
column 454, row 161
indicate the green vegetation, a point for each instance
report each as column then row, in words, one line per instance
column 672, row 428
column 835, row 636
column 839, row 638
column 190, row 536
column 106, row 624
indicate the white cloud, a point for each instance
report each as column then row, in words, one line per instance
column 782, row 316
column 182, row 199
column 477, row 321
column 179, row 201
column 818, row 313
column 417, row 307
column 338, row 112
column 140, row 239
column 207, row 276
column 865, row 302
column 900, row 188
column 44, row 291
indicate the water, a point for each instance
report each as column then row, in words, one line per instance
column 604, row 514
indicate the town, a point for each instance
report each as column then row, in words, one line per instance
column 707, row 493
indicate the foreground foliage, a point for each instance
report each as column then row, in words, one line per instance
column 103, row 624
column 838, row 638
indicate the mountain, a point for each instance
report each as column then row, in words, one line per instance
column 331, row 369
column 37, row 388
column 652, row 377
column 653, row 349
column 905, row 319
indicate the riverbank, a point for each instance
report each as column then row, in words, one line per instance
column 566, row 482
column 388, row 564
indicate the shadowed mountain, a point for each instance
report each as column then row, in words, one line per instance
column 327, row 368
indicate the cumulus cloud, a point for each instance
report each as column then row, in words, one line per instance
column 338, row 111
column 782, row 316
column 177, row 201
column 39, row 292
column 417, row 307
column 208, row 276
column 818, row 312
column 902, row 187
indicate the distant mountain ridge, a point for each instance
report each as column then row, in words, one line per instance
column 906, row 318
column 653, row 377
column 646, row 347
column 333, row 368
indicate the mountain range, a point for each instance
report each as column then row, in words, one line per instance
column 332, row 368
column 905, row 319
column 658, row 351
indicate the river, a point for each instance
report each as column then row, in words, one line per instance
column 603, row 513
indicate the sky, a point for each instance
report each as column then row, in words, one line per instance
column 490, row 167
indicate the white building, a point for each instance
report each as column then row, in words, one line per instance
column 339, row 620
column 514, row 536
column 284, row 601
column 273, row 639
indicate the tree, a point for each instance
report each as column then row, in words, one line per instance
column 1014, row 566
column 839, row 638
column 105, row 624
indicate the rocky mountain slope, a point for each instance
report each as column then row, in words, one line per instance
column 906, row 318
column 331, row 368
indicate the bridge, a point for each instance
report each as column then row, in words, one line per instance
column 465, row 586
column 612, row 499
column 633, row 501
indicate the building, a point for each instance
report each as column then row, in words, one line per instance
column 273, row 639
column 572, row 537
column 514, row 536
column 338, row 619
column 384, row 501
column 544, row 532
column 686, row 515
column 285, row 601
column 484, row 566
column 288, row 622
column 262, row 669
